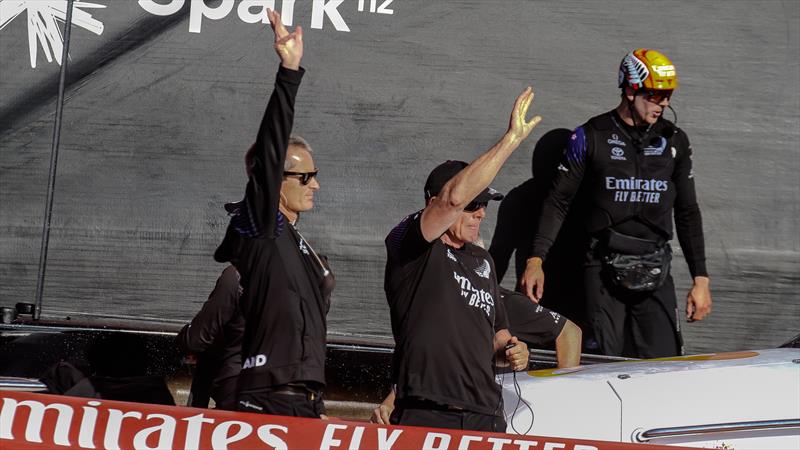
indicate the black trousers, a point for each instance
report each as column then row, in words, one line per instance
column 281, row 404
column 444, row 418
column 633, row 324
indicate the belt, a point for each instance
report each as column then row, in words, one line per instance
column 613, row 241
column 421, row 403
column 303, row 391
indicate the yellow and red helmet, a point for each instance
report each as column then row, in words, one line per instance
column 647, row 69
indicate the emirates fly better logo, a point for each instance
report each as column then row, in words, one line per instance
column 44, row 23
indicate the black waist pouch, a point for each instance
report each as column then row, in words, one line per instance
column 635, row 264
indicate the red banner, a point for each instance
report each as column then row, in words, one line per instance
column 38, row 421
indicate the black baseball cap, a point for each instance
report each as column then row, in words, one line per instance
column 442, row 173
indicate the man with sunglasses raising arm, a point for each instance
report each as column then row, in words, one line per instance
column 447, row 320
column 285, row 285
column 632, row 168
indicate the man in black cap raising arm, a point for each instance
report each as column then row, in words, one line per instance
column 443, row 296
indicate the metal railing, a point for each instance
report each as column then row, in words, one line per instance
column 757, row 425
column 22, row 384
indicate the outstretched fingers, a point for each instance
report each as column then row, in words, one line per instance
column 290, row 48
column 526, row 104
column 298, row 34
column 520, row 128
column 276, row 24
column 519, row 105
column 286, row 39
column 526, row 101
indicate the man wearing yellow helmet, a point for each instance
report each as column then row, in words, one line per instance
column 632, row 168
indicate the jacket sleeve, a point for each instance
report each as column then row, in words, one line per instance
column 269, row 153
column 565, row 184
column 688, row 221
column 217, row 311
column 405, row 242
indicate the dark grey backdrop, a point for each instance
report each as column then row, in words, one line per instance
column 157, row 119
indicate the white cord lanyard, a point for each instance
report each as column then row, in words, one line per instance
column 325, row 271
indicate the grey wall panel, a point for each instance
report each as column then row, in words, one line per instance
column 157, row 119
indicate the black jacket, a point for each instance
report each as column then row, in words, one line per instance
column 215, row 336
column 282, row 300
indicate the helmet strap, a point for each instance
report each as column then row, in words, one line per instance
column 639, row 137
column 674, row 115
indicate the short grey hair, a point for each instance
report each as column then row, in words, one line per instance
column 297, row 141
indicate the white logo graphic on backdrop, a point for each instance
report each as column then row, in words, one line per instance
column 255, row 11
column 46, row 17
column 45, row 22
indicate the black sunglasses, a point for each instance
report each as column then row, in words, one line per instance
column 305, row 177
column 656, row 95
column 474, row 206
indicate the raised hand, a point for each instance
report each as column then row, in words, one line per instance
column 518, row 127
column 289, row 46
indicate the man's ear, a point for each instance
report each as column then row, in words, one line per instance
column 629, row 93
column 428, row 202
column 282, row 200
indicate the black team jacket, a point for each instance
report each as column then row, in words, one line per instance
column 285, row 327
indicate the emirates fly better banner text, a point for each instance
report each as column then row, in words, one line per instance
column 38, row 421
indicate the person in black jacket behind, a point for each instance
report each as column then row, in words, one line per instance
column 517, row 216
column 633, row 168
column 214, row 336
column 286, row 286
